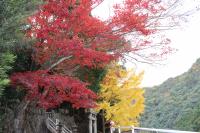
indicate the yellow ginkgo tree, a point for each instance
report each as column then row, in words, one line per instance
column 120, row 97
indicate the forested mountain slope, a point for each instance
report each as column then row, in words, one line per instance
column 175, row 104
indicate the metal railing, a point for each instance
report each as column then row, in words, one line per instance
column 65, row 130
column 55, row 126
column 132, row 129
column 51, row 125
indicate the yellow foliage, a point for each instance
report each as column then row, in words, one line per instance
column 121, row 97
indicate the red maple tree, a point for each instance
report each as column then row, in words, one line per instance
column 69, row 38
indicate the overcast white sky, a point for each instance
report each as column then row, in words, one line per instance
column 186, row 40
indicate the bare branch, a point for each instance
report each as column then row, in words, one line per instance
column 59, row 61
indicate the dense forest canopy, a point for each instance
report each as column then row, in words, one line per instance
column 175, row 104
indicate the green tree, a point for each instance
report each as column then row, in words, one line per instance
column 6, row 59
column 12, row 22
column 14, row 54
column 190, row 120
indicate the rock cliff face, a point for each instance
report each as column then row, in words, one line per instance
column 26, row 118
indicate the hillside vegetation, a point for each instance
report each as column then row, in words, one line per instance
column 175, row 104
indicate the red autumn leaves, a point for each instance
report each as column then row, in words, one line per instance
column 67, row 37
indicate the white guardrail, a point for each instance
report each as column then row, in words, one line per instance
column 132, row 129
